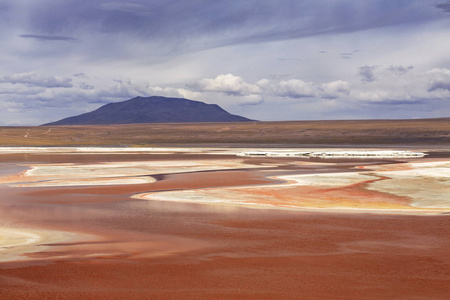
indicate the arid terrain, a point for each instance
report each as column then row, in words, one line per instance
column 163, row 220
column 363, row 132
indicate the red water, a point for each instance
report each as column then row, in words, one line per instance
column 162, row 250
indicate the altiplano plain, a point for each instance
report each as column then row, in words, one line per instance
column 208, row 222
column 427, row 132
column 257, row 149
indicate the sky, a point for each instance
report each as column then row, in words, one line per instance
column 264, row 59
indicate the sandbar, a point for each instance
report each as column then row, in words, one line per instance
column 16, row 244
column 418, row 187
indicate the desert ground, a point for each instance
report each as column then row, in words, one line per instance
column 124, row 219
column 427, row 132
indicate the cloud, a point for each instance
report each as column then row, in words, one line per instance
column 297, row 88
column 34, row 79
column 404, row 85
column 400, row 69
column 225, row 83
column 274, row 54
column 367, row 73
column 439, row 80
column 293, row 88
column 48, row 37
column 397, row 88
column 393, row 85
column 346, row 55
column 132, row 8
column 85, row 86
column 21, row 91
column 335, row 89
column 80, row 75
column 185, row 26
column 444, row 6
column 233, row 85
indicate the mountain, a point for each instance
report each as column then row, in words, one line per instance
column 152, row 110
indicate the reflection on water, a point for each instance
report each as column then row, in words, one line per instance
column 8, row 169
column 125, row 227
column 98, row 158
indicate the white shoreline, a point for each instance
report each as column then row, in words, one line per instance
column 329, row 209
column 332, row 154
column 13, row 238
column 275, row 152
column 420, row 171
column 16, row 242
column 115, row 173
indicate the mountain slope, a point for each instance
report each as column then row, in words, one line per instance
column 152, row 110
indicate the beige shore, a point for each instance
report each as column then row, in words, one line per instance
column 15, row 242
column 117, row 173
column 381, row 189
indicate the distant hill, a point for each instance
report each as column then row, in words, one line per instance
column 152, row 110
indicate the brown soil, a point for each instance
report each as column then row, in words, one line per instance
column 355, row 132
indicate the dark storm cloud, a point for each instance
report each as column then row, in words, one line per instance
column 444, row 6
column 48, row 37
column 216, row 23
column 395, row 102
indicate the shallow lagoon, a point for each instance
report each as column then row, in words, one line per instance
column 98, row 241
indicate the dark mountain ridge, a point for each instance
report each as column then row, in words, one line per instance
column 153, row 109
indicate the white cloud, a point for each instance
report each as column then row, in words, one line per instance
column 295, row 88
column 335, row 89
column 405, row 87
column 439, row 80
column 233, row 85
column 389, row 85
column 226, row 83
column 188, row 94
column 404, row 84
column 35, row 79
column 6, row 89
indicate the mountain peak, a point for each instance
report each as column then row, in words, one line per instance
column 154, row 109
